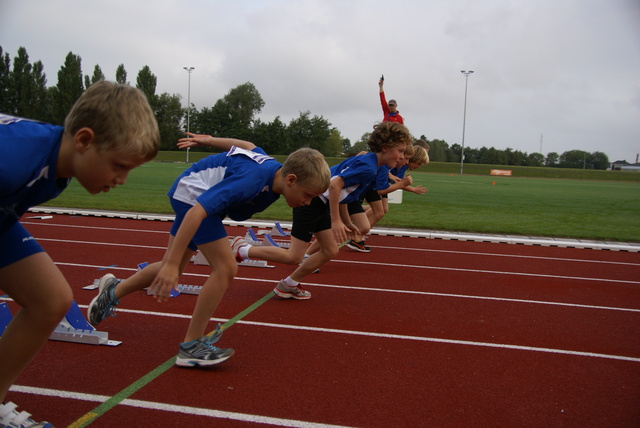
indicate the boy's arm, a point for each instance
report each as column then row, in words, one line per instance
column 224, row 144
column 169, row 273
column 418, row 190
column 338, row 227
column 406, row 181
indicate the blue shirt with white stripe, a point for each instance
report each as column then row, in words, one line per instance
column 237, row 183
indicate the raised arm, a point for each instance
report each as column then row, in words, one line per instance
column 224, row 144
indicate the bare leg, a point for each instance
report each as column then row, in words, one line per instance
column 36, row 284
column 224, row 268
column 328, row 250
column 291, row 256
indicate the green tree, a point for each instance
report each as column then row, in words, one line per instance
column 346, row 145
column 309, row 132
column 361, row 145
column 121, row 75
column 599, row 160
column 27, row 87
column 271, row 136
column 552, row 159
column 233, row 115
column 437, row 150
column 97, row 76
column 535, row 159
column 68, row 89
column 573, row 159
column 168, row 111
column 334, row 143
column 146, row 81
column 5, row 82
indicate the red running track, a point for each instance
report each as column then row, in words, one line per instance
column 417, row 333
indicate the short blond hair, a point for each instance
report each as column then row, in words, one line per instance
column 310, row 168
column 420, row 156
column 409, row 151
column 120, row 117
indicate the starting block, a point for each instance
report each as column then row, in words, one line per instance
column 277, row 230
column 251, row 237
column 181, row 289
column 72, row 328
column 199, row 259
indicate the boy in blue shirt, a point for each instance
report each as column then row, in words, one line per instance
column 327, row 217
column 109, row 131
column 237, row 183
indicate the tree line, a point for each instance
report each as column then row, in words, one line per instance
column 24, row 92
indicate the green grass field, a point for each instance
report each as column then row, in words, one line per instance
column 603, row 210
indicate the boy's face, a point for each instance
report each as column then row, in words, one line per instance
column 414, row 165
column 100, row 171
column 298, row 196
column 391, row 156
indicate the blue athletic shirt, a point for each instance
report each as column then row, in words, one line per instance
column 237, row 183
column 399, row 172
column 28, row 159
column 359, row 175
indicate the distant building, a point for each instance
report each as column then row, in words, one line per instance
column 624, row 166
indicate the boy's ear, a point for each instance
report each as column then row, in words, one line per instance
column 83, row 138
column 291, row 179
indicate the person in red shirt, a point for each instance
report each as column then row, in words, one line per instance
column 389, row 110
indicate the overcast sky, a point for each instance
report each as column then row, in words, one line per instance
column 549, row 75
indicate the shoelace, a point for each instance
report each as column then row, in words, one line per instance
column 111, row 307
column 215, row 336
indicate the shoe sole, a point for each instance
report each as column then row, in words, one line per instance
column 194, row 362
column 289, row 295
column 95, row 299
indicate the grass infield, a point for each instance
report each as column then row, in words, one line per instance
column 582, row 209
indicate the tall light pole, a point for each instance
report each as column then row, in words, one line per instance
column 464, row 118
column 189, row 70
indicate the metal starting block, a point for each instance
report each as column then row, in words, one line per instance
column 72, row 328
column 181, row 289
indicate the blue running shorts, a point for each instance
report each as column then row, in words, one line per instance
column 211, row 229
column 16, row 244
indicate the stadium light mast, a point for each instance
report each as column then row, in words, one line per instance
column 189, row 70
column 464, row 117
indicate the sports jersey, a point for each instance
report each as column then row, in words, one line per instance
column 399, row 172
column 237, row 183
column 28, row 159
column 358, row 173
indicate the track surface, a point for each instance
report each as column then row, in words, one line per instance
column 417, row 333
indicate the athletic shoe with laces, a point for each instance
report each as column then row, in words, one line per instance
column 11, row 418
column 358, row 246
column 202, row 353
column 286, row 292
column 105, row 302
column 237, row 243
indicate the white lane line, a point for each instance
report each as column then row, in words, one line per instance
column 165, row 407
column 385, row 290
column 493, row 272
column 515, row 256
column 473, row 253
column 386, row 264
